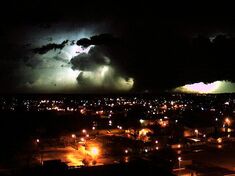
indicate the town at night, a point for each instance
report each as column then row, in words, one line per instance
column 170, row 133
column 117, row 88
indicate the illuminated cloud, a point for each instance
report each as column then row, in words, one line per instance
column 214, row 87
column 59, row 65
column 104, row 77
column 91, row 60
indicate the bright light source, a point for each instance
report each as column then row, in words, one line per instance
column 73, row 135
column 94, row 151
column 37, row 140
column 201, row 87
column 227, row 120
column 146, row 150
column 87, row 135
column 82, row 139
column 93, row 128
column 104, row 70
column 179, row 158
column 156, row 141
column 141, row 121
column 126, row 151
column 83, row 131
column 157, row 148
column 219, row 140
column 82, row 111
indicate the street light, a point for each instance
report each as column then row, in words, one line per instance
column 179, row 159
column 141, row 121
column 196, row 131
column 226, row 124
column 94, row 152
column 74, row 137
column 227, row 121
column 219, row 140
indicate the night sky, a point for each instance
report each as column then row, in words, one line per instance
column 116, row 46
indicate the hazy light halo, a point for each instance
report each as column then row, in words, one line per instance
column 205, row 88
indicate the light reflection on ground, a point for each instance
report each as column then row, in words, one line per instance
column 73, row 157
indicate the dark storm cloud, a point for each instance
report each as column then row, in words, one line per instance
column 90, row 61
column 206, row 60
column 173, row 59
column 82, row 80
column 102, row 39
column 44, row 49
column 159, row 52
column 72, row 43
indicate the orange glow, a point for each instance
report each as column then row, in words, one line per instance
column 82, row 111
column 73, row 160
column 144, row 132
column 101, row 112
column 219, row 140
column 94, row 151
column 163, row 123
column 227, row 121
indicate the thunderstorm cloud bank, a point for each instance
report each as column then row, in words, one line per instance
column 68, row 58
column 80, row 63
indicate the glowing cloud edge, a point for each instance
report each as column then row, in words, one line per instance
column 216, row 87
